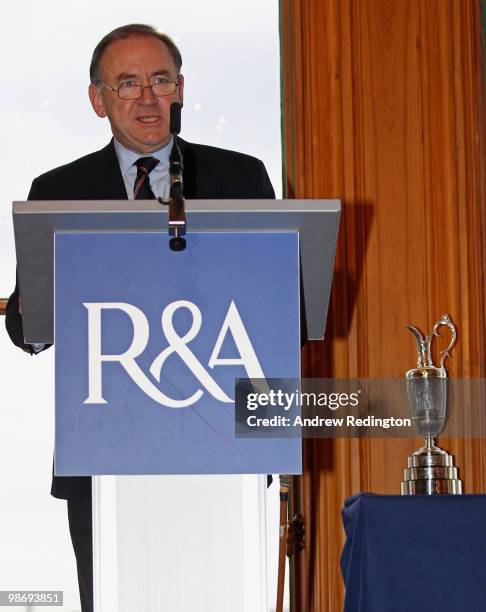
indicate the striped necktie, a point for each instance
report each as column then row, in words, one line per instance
column 141, row 188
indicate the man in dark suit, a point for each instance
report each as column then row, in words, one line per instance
column 135, row 77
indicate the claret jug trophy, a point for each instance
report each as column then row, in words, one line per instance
column 430, row 470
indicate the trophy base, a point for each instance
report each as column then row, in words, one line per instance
column 431, row 471
column 435, row 486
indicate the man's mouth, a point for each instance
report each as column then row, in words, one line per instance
column 148, row 119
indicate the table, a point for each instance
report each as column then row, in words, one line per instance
column 415, row 553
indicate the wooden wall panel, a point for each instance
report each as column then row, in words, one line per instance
column 383, row 107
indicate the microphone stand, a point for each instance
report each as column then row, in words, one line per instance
column 282, row 540
column 177, row 213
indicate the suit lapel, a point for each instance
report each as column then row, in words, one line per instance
column 109, row 183
column 200, row 181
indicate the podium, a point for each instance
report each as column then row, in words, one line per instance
column 173, row 542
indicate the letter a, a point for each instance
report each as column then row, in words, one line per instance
column 248, row 358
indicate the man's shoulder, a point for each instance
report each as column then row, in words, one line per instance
column 82, row 178
column 213, row 154
column 80, row 165
column 225, row 173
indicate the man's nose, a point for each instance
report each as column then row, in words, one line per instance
column 147, row 96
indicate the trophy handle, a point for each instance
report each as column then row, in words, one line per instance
column 445, row 321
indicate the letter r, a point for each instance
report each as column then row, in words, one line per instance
column 126, row 359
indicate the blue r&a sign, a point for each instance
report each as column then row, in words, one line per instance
column 150, row 341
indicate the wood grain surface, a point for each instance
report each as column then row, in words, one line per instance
column 383, row 107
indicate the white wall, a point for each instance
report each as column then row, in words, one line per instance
column 232, row 99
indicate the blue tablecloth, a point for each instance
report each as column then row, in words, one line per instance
column 415, row 554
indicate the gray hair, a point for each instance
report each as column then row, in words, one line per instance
column 133, row 29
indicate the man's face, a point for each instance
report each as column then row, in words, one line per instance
column 141, row 125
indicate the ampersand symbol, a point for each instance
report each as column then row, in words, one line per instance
column 178, row 344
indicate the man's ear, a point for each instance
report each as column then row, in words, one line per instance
column 181, row 89
column 96, row 99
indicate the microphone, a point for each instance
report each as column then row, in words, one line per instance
column 177, row 215
column 175, row 118
column 175, row 157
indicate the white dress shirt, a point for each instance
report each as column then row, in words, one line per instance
column 159, row 177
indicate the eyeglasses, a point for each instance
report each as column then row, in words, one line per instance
column 130, row 91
